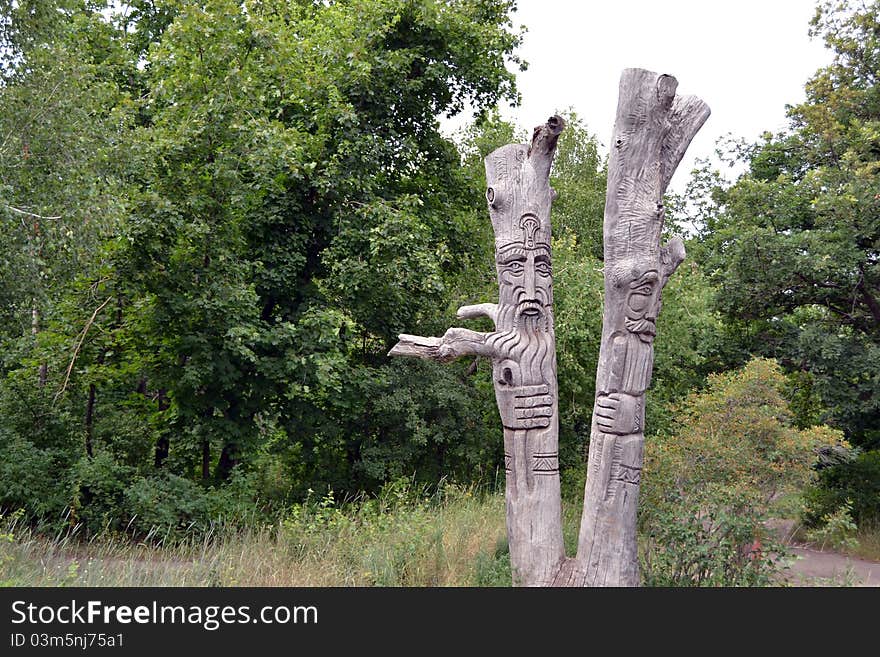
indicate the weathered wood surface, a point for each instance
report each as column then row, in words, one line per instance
column 652, row 131
column 522, row 349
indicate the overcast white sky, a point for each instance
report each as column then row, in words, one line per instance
column 746, row 58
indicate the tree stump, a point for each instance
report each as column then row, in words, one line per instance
column 652, row 131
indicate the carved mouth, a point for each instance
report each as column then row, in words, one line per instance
column 530, row 309
column 644, row 328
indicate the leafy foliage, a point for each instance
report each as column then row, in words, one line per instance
column 794, row 245
column 706, row 489
column 836, row 530
column 219, row 224
column 852, row 484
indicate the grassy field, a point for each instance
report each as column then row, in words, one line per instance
column 453, row 537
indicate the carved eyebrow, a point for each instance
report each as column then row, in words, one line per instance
column 511, row 254
column 542, row 249
column 516, row 252
column 645, row 279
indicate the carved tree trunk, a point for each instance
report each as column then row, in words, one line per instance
column 651, row 133
column 653, row 129
column 522, row 349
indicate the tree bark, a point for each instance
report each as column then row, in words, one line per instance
column 651, row 134
column 522, row 349
column 89, row 422
column 162, row 442
column 206, row 459
column 652, row 130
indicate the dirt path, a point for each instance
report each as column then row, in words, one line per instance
column 811, row 567
column 815, row 568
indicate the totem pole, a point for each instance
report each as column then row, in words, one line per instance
column 522, row 349
column 651, row 134
column 652, row 131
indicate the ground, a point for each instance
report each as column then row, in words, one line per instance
column 812, row 567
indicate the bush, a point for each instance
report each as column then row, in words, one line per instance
column 99, row 492
column 837, row 530
column 39, row 446
column 710, row 539
column 707, row 489
column 166, row 506
column 857, row 480
column 29, row 481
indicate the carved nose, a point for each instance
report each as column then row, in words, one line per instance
column 530, row 283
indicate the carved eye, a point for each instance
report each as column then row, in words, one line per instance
column 638, row 302
column 543, row 268
column 490, row 196
column 515, row 267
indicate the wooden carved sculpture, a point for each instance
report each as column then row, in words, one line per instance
column 652, row 131
column 522, row 349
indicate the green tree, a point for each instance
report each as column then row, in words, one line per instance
column 65, row 127
column 579, row 177
column 300, row 208
column 794, row 245
column 249, row 201
column 707, row 486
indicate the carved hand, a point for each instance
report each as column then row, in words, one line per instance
column 619, row 413
column 525, row 407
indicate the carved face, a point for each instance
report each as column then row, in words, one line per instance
column 525, row 329
column 643, row 305
column 525, row 281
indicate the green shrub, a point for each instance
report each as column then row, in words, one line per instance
column 707, row 489
column 714, row 538
column 837, row 530
column 98, row 499
column 166, row 506
column 857, row 480
column 29, row 479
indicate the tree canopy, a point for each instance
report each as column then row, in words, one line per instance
column 794, row 244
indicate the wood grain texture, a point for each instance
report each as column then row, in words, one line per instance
column 522, row 349
column 652, row 131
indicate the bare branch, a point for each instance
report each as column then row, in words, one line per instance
column 671, row 256
column 79, row 344
column 489, row 310
column 688, row 115
column 543, row 145
column 31, row 214
column 455, row 342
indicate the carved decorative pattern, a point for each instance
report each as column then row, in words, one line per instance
column 546, row 463
column 627, row 474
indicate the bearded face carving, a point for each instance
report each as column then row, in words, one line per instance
column 524, row 345
column 620, row 402
column 522, row 349
column 643, row 306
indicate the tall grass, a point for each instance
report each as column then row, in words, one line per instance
column 451, row 536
